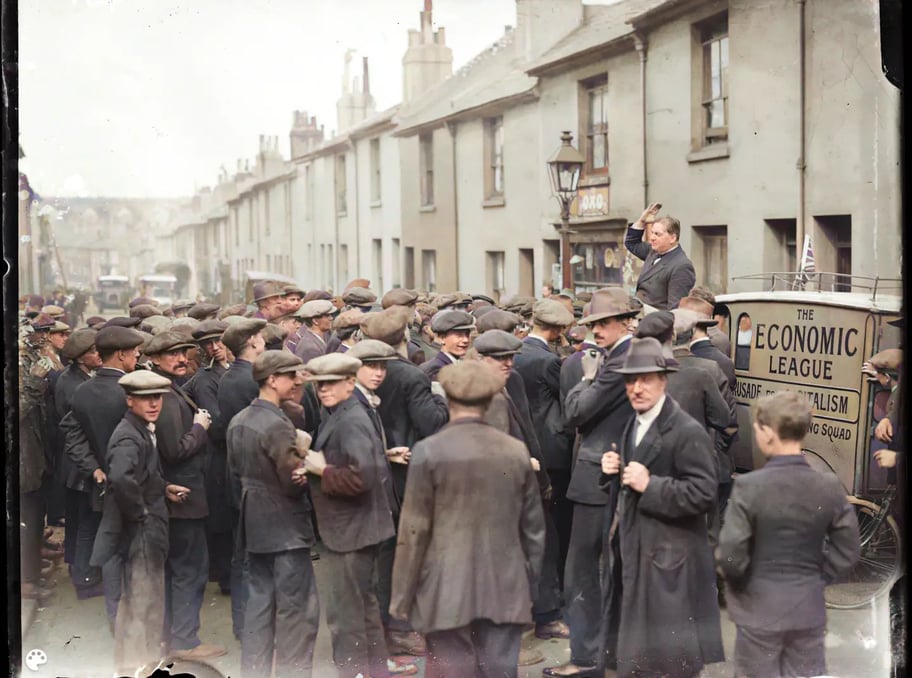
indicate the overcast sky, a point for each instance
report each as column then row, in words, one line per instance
column 148, row 98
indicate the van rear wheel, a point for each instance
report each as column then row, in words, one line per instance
column 878, row 566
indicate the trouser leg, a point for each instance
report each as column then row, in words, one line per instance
column 450, row 654
column 72, row 514
column 496, row 648
column 562, row 514
column 385, row 555
column 758, row 653
column 258, row 637
column 31, row 527
column 297, row 613
column 112, row 585
column 55, row 498
column 803, row 653
column 238, row 580
column 187, row 571
column 546, row 606
column 221, row 553
column 582, row 591
column 84, row 575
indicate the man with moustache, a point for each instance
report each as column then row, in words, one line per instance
column 269, row 299
column 598, row 408
column 182, row 445
column 453, row 329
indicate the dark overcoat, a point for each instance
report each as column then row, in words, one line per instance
column 660, row 561
column 357, row 517
column 64, row 389
column 309, row 345
column 703, row 348
column 472, row 531
column 237, row 390
column 434, row 365
column 664, row 283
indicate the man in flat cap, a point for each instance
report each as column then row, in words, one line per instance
column 135, row 524
column 237, row 389
column 457, row 301
column 203, row 311
column 180, row 307
column 423, row 345
column 345, row 328
column 497, row 319
column 282, row 612
column 359, row 298
column 409, row 411
column 269, row 299
column 350, row 489
column 53, row 488
column 203, row 388
column 702, row 300
column 453, row 330
column 399, row 297
column 464, row 572
column 662, row 475
column 143, row 311
column 598, row 408
column 317, row 317
column 96, row 408
column 667, row 275
column 233, row 310
column 122, row 321
column 702, row 345
column 292, row 298
column 539, row 368
column 182, row 445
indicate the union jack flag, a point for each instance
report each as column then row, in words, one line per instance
column 808, row 267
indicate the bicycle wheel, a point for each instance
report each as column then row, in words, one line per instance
column 878, row 566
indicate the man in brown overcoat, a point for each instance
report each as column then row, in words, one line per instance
column 471, row 536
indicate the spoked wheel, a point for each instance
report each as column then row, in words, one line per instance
column 878, row 566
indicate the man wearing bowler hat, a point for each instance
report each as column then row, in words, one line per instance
column 660, row 472
column 598, row 408
column 453, row 329
column 310, row 340
column 268, row 297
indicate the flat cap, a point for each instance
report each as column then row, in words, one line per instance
column 185, row 326
column 469, row 382
column 167, row 341
column 59, row 327
column 136, row 301
column 181, row 305
column 275, row 362
column 645, row 357
column 697, row 305
column 608, row 305
column 315, row 295
column 704, row 294
column 455, row 300
column 483, row 297
column 210, row 329
column 498, row 319
column 425, row 311
column 53, row 311
column 234, row 319
column 332, row 367
column 452, row 321
column 266, row 289
column 347, row 319
column 234, row 309
column 497, row 343
column 889, row 360
column 78, row 343
column 122, row 321
column 359, row 296
column 144, row 382
column 272, row 333
column 357, row 282
column 686, row 320
column 117, row 338
column 292, row 288
column 155, row 324
column 146, row 337
column 578, row 333
column 203, row 311
column 520, row 305
column 240, row 331
column 657, row 324
column 387, row 326
column 95, row 321
column 399, row 297
column 550, row 312
column 144, row 311
column 315, row 308
column 372, row 351
column 42, row 322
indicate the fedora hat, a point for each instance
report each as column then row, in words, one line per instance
column 645, row 357
column 604, row 306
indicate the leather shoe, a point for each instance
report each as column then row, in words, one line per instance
column 555, row 629
column 406, row 642
column 201, row 651
column 571, row 670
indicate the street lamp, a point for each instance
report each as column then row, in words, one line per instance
column 564, row 169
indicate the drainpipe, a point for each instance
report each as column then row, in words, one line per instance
column 801, row 164
column 451, row 128
column 639, row 41
column 354, row 144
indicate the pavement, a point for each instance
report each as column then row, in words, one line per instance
column 75, row 637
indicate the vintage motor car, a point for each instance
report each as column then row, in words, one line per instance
column 112, row 291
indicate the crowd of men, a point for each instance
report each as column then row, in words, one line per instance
column 471, row 470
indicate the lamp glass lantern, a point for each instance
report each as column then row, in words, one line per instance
column 564, row 169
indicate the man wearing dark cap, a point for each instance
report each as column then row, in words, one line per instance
column 182, row 446
column 237, row 389
column 135, row 524
column 269, row 300
column 464, row 572
column 662, row 475
column 180, row 307
column 598, row 408
column 203, row 389
column 409, row 411
column 143, row 311
column 137, row 301
column 702, row 346
column 95, row 322
column 399, row 297
column 317, row 317
column 203, row 311
column 453, row 329
column 350, row 491
column 122, row 321
column 423, row 345
column 359, row 298
column 264, row 448
column 498, row 319
column 96, row 408
column 703, row 301
column 345, row 327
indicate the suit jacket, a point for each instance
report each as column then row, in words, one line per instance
column 720, row 340
column 433, row 366
column 309, row 345
column 599, row 410
column 135, row 498
column 419, row 351
column 64, row 388
column 237, row 390
column 665, row 283
column 182, row 446
column 703, row 348
column 472, row 531
column 262, row 451
column 540, row 369
column 788, row 531
column 572, row 370
column 352, row 512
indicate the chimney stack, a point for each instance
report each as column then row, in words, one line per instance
column 365, row 81
column 427, row 60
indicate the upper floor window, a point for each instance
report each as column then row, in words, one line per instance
column 596, row 125
column 375, row 169
column 494, row 161
column 713, row 35
column 341, row 196
column 426, row 168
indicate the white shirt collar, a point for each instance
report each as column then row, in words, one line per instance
column 541, row 339
column 646, row 418
column 626, row 337
column 452, row 358
column 659, row 256
column 371, row 397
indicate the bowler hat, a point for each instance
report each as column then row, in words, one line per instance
column 399, row 297
column 144, row 382
column 497, row 319
column 210, row 329
column 551, row 312
column 497, row 344
column 452, row 321
column 332, row 367
column 469, row 382
column 239, row 331
column 203, row 311
column 117, row 338
column 266, row 289
column 607, row 305
column 164, row 342
column 645, row 357
column 372, row 351
column 78, row 343
column 387, row 326
column 275, row 362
